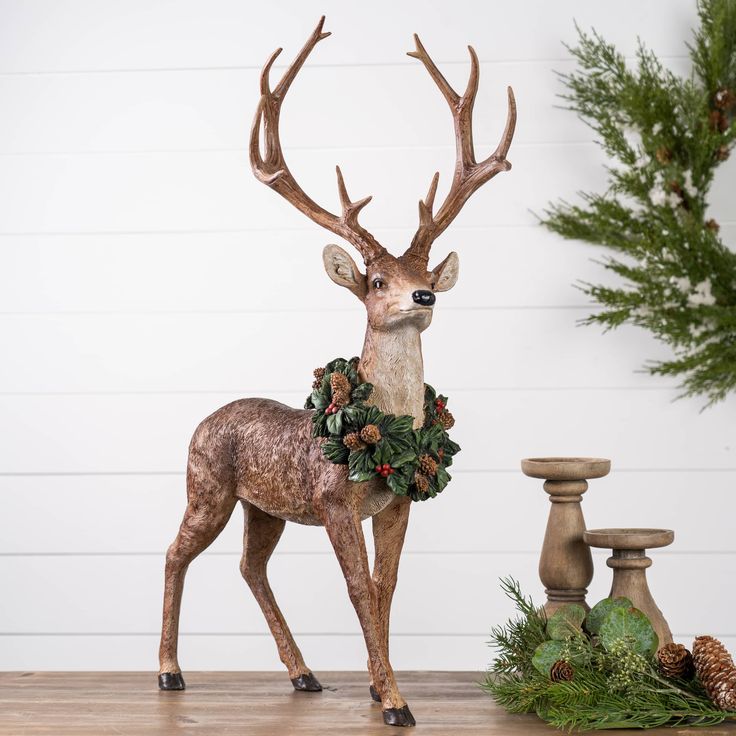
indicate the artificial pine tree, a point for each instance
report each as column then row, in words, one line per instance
column 666, row 136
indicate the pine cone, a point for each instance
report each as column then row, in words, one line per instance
column 421, row 481
column 712, row 225
column 561, row 671
column 370, row 434
column 447, row 420
column 340, row 385
column 715, row 669
column 663, row 155
column 724, row 99
column 722, row 153
column 675, row 661
column 319, row 374
column 352, row 441
column 428, row 464
column 718, row 121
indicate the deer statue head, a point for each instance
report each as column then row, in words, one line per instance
column 401, row 290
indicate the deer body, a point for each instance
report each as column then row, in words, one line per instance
column 263, row 453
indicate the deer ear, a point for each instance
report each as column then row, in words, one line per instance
column 445, row 274
column 342, row 270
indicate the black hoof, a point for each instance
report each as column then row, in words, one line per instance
column 374, row 694
column 307, row 683
column 171, row 681
column 398, row 717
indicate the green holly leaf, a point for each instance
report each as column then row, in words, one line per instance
column 631, row 626
column 397, row 483
column 597, row 614
column 360, row 476
column 566, row 622
column 405, row 457
column 545, row 655
column 334, row 423
column 319, row 402
column 335, row 451
column 361, row 392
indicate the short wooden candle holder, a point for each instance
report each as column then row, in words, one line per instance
column 565, row 565
column 629, row 564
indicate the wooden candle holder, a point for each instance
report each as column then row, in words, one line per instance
column 565, row 565
column 629, row 564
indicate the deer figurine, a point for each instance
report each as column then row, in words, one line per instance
column 263, row 454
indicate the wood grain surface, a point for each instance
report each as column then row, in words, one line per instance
column 250, row 704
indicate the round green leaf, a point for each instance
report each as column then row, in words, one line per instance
column 631, row 626
column 545, row 655
column 566, row 622
column 600, row 610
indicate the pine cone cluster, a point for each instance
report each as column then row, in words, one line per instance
column 352, row 441
column 675, row 661
column 421, row 481
column 561, row 671
column 715, row 669
column 447, row 420
column 724, row 99
column 722, row 153
column 712, row 225
column 370, row 434
column 428, row 465
column 340, row 385
column 319, row 374
column 718, row 120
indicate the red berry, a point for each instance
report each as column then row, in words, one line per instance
column 334, row 410
column 378, row 468
column 386, row 466
column 391, row 471
column 328, row 410
column 385, row 473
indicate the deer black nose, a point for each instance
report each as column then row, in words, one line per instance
column 423, row 297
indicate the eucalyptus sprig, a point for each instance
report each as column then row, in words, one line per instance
column 611, row 679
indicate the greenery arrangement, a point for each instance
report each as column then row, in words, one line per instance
column 372, row 444
column 600, row 670
column 667, row 136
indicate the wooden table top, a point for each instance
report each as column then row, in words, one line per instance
column 253, row 704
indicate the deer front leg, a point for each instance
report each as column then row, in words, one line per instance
column 345, row 533
column 389, row 530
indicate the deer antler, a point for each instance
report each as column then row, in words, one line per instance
column 469, row 174
column 272, row 170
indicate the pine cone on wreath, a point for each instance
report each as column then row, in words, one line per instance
column 340, row 389
column 663, row 155
column 675, row 661
column 724, row 99
column 447, row 420
column 421, row 481
column 722, row 153
column 370, row 434
column 319, row 374
column 715, row 669
column 352, row 441
column 428, row 465
column 561, row 671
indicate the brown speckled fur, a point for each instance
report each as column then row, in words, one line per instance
column 262, row 452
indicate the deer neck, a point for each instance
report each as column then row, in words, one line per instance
column 392, row 362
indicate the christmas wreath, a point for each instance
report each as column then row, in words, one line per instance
column 373, row 444
column 605, row 669
column 666, row 135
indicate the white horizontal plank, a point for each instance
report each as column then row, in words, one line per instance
column 278, row 270
column 638, row 429
column 141, row 514
column 233, row 652
column 217, row 352
column 43, row 35
column 216, row 190
column 437, row 594
column 335, row 107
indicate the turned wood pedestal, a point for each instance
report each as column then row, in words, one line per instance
column 629, row 564
column 565, row 565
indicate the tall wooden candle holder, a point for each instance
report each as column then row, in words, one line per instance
column 629, row 564
column 565, row 565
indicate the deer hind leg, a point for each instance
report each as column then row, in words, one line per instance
column 389, row 530
column 262, row 533
column 346, row 535
column 204, row 519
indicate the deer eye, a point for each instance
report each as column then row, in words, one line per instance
column 378, row 283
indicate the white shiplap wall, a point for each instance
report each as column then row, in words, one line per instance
column 147, row 278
